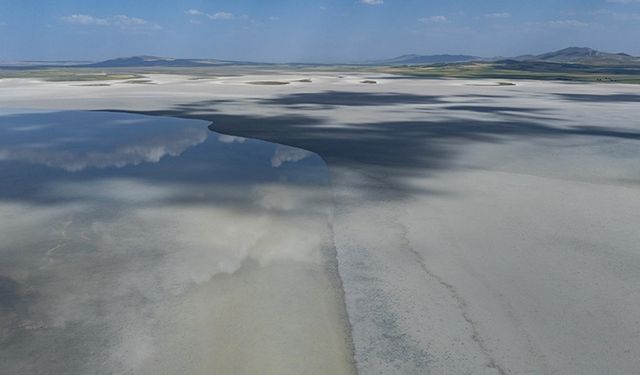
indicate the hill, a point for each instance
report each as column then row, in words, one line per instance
column 427, row 59
column 582, row 55
column 571, row 55
column 153, row 61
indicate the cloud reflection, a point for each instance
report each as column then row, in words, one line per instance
column 147, row 151
column 118, row 262
column 230, row 139
column 164, row 268
column 284, row 154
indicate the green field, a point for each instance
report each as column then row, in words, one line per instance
column 502, row 70
column 515, row 70
column 68, row 75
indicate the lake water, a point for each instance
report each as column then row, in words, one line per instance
column 145, row 245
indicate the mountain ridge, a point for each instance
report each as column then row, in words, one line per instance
column 570, row 55
column 155, row 61
column 582, row 55
column 414, row 59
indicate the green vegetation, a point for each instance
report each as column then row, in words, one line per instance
column 67, row 75
column 141, row 82
column 522, row 70
column 268, row 83
column 501, row 71
column 94, row 85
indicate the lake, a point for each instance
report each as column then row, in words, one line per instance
column 134, row 244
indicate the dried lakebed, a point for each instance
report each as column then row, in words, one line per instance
column 478, row 228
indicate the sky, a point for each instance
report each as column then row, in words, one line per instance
column 310, row 30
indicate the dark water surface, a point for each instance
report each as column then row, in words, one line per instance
column 147, row 245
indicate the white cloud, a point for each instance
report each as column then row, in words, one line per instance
column 626, row 16
column 121, row 21
column 623, row 1
column 434, row 20
column 372, row 2
column 221, row 16
column 498, row 15
column 213, row 16
column 567, row 23
column 85, row 20
column 195, row 12
column 560, row 24
column 134, row 22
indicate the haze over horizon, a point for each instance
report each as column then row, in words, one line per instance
column 312, row 31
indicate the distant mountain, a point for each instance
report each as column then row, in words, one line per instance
column 153, row 61
column 427, row 59
column 582, row 55
column 571, row 55
column 36, row 63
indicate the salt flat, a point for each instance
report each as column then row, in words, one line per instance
column 479, row 228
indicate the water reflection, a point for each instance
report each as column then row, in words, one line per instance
column 286, row 154
column 230, row 139
column 62, row 143
column 152, row 246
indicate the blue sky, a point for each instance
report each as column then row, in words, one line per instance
column 313, row 30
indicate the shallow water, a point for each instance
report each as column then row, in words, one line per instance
column 146, row 245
